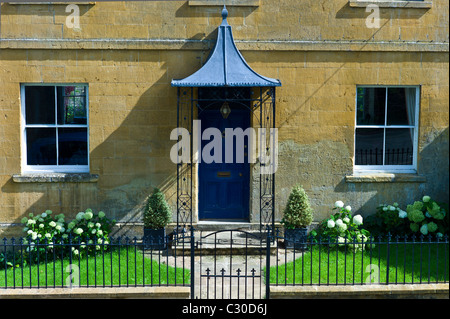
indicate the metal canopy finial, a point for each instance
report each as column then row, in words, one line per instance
column 224, row 15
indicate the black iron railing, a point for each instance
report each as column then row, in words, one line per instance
column 125, row 262
column 373, row 260
column 395, row 156
column 117, row 262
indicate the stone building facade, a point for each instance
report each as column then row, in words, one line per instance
column 343, row 66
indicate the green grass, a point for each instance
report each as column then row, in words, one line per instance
column 423, row 263
column 127, row 268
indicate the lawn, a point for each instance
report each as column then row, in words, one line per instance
column 127, row 267
column 407, row 264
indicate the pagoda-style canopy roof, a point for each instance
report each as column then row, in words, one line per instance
column 225, row 66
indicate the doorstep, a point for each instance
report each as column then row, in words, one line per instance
column 227, row 224
column 215, row 239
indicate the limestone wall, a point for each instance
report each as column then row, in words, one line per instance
column 320, row 50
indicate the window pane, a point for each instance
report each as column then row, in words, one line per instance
column 72, row 146
column 40, row 104
column 401, row 106
column 371, row 104
column 41, row 146
column 399, row 146
column 369, row 146
column 72, row 105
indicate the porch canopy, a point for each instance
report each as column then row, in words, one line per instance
column 225, row 66
column 225, row 77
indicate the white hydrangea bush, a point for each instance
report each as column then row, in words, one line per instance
column 86, row 232
column 43, row 228
column 343, row 229
column 423, row 217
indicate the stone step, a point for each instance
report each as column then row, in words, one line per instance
column 252, row 242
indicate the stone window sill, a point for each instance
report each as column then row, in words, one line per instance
column 55, row 178
column 385, row 178
column 391, row 4
column 230, row 3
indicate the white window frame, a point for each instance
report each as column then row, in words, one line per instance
column 370, row 169
column 30, row 169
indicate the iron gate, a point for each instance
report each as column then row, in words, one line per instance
column 229, row 264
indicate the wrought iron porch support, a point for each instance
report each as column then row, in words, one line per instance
column 185, row 111
column 266, row 145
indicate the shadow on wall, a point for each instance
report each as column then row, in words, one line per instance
column 129, row 138
column 433, row 164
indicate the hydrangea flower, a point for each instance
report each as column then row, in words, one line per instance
column 435, row 211
column 342, row 227
column 358, row 220
column 348, row 208
column 416, row 216
column 424, row 229
column 426, row 199
column 88, row 215
column 432, row 227
column 402, row 214
column 330, row 223
column 339, row 204
column 341, row 241
column 101, row 214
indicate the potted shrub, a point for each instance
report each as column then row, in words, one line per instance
column 298, row 215
column 157, row 215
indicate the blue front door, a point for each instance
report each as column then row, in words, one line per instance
column 224, row 187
